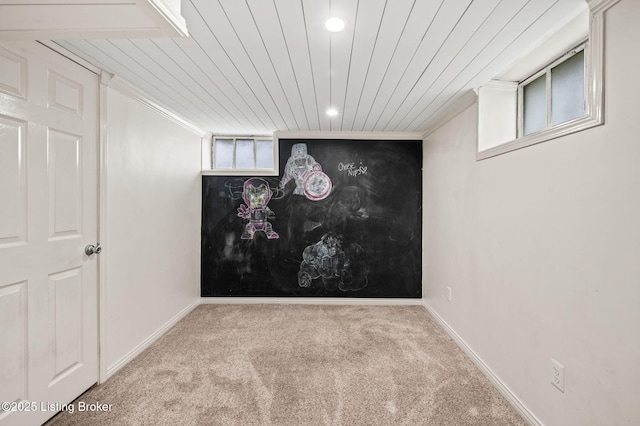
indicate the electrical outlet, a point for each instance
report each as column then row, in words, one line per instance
column 449, row 294
column 557, row 374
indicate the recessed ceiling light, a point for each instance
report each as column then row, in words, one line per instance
column 332, row 112
column 334, row 24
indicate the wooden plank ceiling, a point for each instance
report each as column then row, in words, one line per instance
column 259, row 66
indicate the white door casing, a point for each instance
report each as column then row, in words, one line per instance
column 48, row 214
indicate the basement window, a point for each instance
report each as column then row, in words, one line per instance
column 240, row 155
column 560, row 98
column 554, row 95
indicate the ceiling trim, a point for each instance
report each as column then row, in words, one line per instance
column 598, row 6
column 58, row 20
column 128, row 89
column 468, row 99
column 170, row 15
column 349, row 135
column 70, row 55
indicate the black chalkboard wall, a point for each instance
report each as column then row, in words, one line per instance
column 342, row 219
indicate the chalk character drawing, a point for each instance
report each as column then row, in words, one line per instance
column 307, row 174
column 256, row 193
column 339, row 269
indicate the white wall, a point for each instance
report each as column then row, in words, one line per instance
column 541, row 247
column 152, row 244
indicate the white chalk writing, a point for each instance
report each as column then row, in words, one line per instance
column 352, row 169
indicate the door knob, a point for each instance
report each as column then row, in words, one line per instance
column 91, row 249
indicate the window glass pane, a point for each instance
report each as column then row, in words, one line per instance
column 264, row 154
column 223, row 153
column 535, row 105
column 567, row 90
column 244, row 154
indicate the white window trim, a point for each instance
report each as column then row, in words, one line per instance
column 208, row 157
column 594, row 99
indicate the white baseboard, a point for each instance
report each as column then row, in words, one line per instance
column 306, row 301
column 112, row 369
column 528, row 416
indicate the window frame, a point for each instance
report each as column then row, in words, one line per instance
column 209, row 156
column 594, row 95
column 581, row 47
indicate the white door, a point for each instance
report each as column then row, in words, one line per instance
column 48, row 214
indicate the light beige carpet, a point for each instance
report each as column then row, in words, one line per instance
column 299, row 365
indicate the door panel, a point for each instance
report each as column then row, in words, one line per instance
column 13, row 182
column 65, row 322
column 65, row 185
column 65, row 94
column 48, row 214
column 13, row 78
column 13, row 351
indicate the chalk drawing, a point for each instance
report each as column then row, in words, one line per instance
column 307, row 174
column 256, row 193
column 342, row 269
